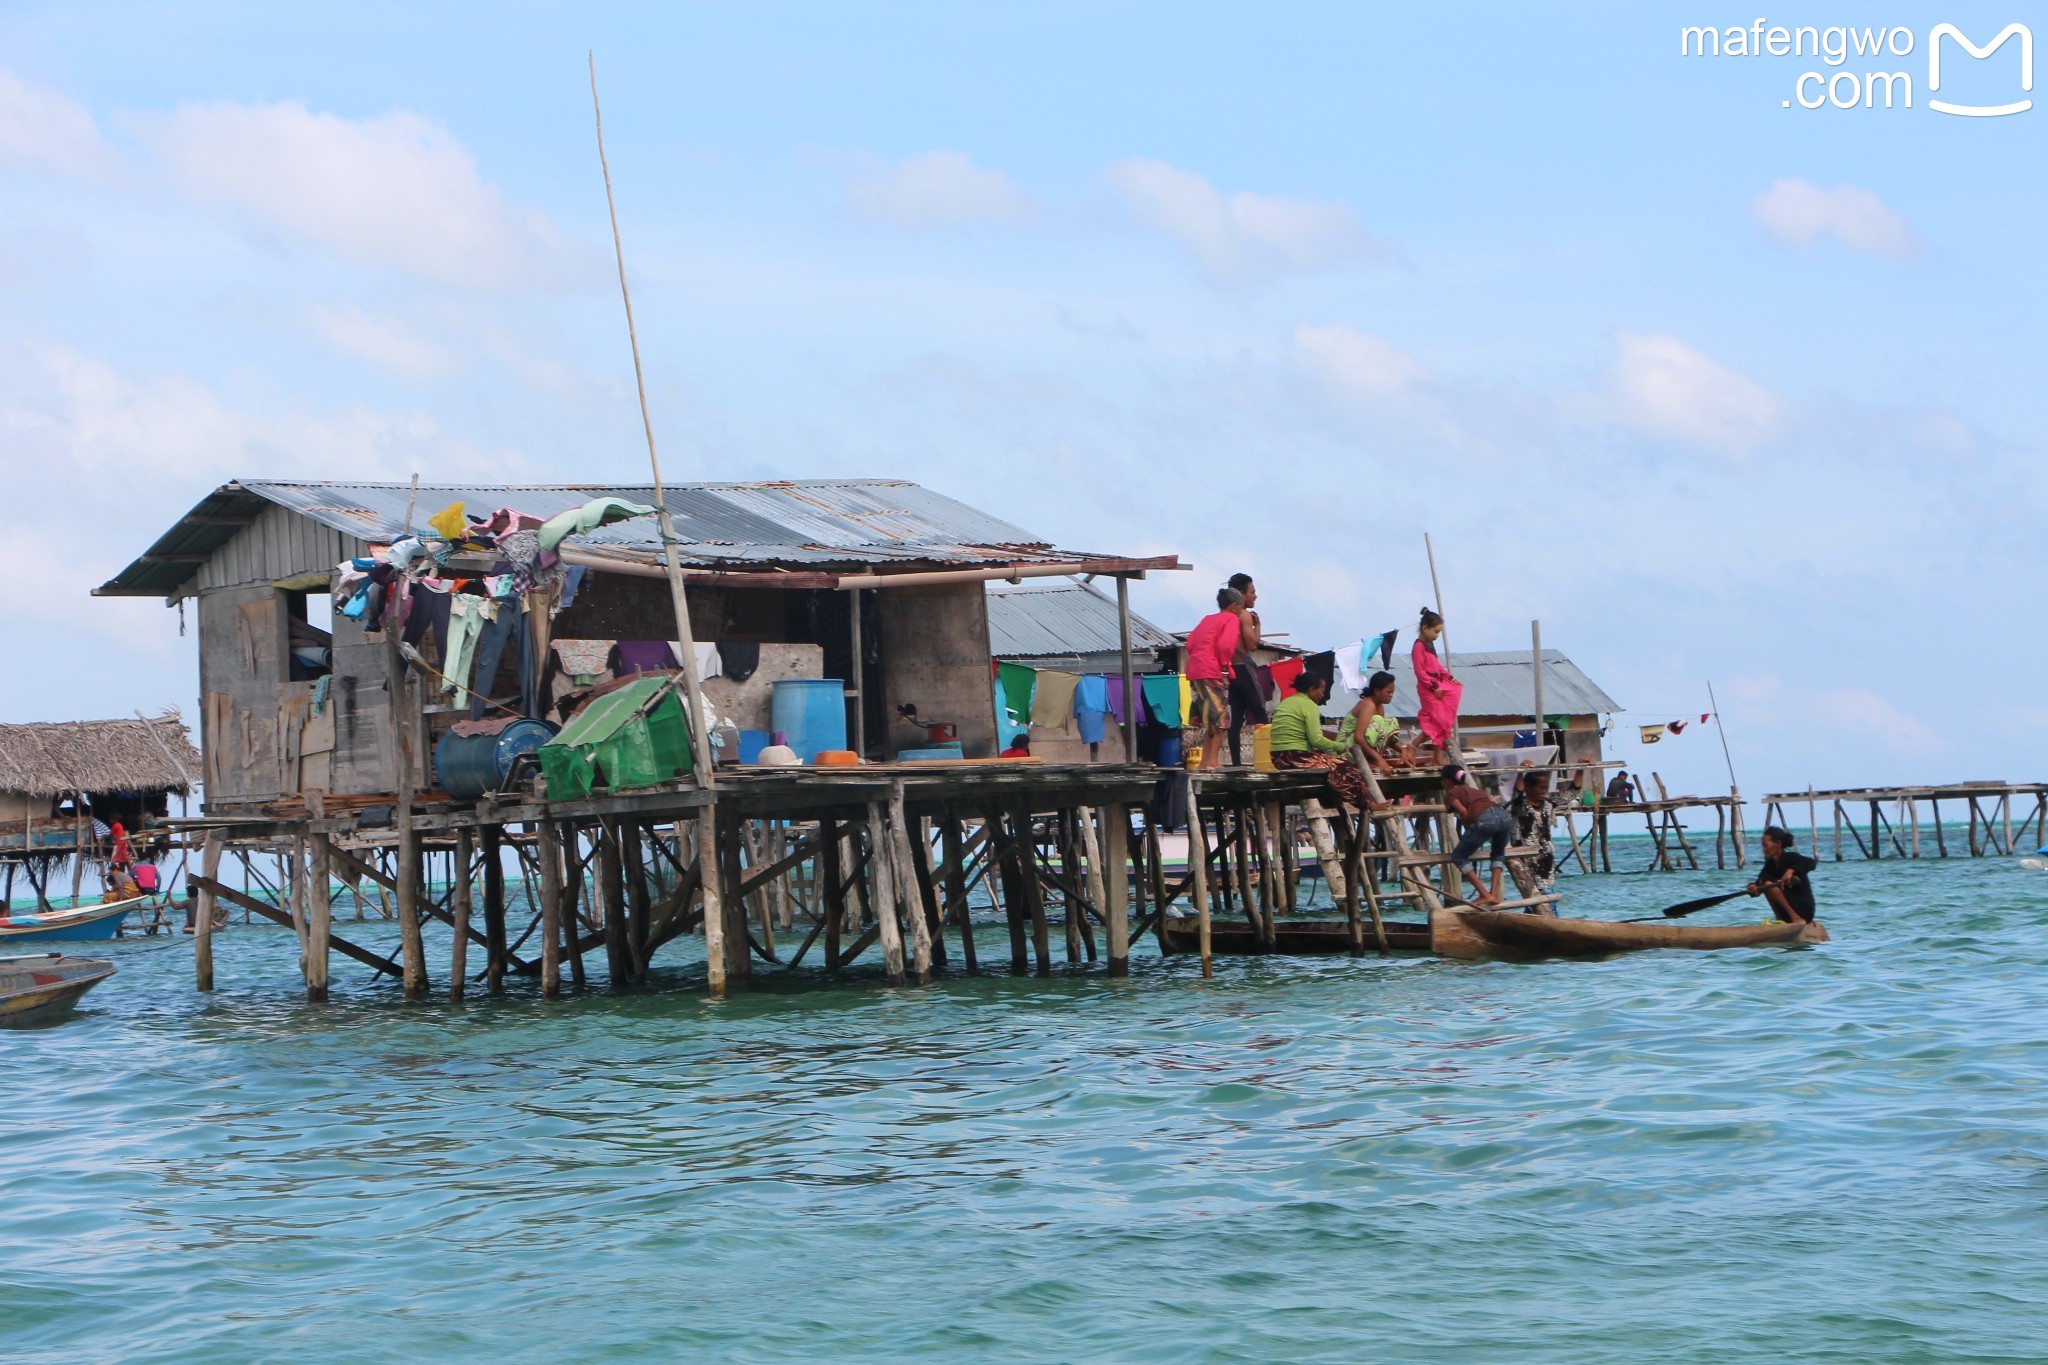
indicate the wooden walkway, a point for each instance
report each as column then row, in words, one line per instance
column 1890, row 818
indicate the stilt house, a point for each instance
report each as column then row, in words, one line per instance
column 876, row 582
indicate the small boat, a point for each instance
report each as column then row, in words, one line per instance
column 70, row 923
column 1291, row 938
column 1502, row 933
column 37, row 990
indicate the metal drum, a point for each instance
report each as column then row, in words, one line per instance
column 469, row 765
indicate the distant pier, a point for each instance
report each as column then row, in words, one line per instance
column 1886, row 822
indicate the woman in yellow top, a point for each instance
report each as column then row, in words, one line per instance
column 1376, row 728
column 1299, row 742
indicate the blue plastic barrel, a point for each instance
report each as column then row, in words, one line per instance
column 812, row 713
column 752, row 742
column 467, row 766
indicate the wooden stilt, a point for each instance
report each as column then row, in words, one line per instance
column 639, row 899
column 883, row 891
column 1033, row 889
column 1155, row 868
column 611, row 872
column 909, row 887
column 952, row 846
column 574, row 893
column 1198, row 867
column 1070, row 876
column 458, row 955
column 713, row 891
column 832, row 895
column 1113, row 869
column 319, row 918
column 495, row 948
column 548, row 849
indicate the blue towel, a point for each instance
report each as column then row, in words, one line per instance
column 1092, row 696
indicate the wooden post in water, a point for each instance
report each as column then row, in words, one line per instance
column 494, row 908
column 202, row 930
column 458, row 954
column 1116, row 884
column 319, row 917
column 883, row 896
column 952, row 846
column 909, row 892
column 1198, row 866
column 548, row 850
column 711, row 887
column 611, row 875
column 1033, row 888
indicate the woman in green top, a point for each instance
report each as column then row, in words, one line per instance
column 1298, row 740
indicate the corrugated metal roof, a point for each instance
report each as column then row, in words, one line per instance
column 812, row 523
column 1498, row 684
column 1064, row 622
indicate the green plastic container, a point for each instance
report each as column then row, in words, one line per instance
column 634, row 737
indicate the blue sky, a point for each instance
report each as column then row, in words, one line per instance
column 1716, row 388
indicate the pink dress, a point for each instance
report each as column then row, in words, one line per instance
column 1438, row 692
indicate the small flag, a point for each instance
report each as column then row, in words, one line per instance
column 1676, row 727
column 1652, row 733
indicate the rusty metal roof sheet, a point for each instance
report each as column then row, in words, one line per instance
column 810, row 523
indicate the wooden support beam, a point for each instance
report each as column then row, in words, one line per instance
column 548, row 852
column 882, row 891
column 458, row 951
column 611, row 874
column 202, row 929
column 908, row 894
column 319, row 917
column 953, row 848
column 1113, row 871
column 276, row 916
column 712, row 883
column 1198, row 875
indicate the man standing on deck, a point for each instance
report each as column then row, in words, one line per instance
column 1785, row 880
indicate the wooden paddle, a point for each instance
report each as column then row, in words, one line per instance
column 1684, row 908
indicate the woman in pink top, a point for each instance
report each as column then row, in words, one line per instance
column 1212, row 645
column 1435, row 688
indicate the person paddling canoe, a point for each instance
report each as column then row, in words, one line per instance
column 1785, row 880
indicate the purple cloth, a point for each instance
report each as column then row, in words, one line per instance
column 1116, row 698
column 639, row 656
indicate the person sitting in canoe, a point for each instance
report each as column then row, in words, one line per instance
column 1483, row 818
column 1785, row 880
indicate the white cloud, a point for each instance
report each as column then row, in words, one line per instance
column 1865, row 713
column 1356, row 364
column 1240, row 238
column 398, row 190
column 1663, row 387
column 937, row 189
column 47, row 130
column 1798, row 212
column 384, row 342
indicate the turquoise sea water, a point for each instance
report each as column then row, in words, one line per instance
column 1829, row 1154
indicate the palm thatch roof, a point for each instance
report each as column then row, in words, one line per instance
column 57, row 758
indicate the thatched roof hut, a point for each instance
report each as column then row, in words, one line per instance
column 62, row 758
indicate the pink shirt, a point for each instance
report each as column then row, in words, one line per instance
column 1212, row 645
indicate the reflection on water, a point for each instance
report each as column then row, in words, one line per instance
column 1839, row 1152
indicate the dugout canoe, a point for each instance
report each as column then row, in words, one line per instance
column 1501, row 933
column 38, row 990
column 68, row 922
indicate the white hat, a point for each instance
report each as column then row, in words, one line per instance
column 778, row 756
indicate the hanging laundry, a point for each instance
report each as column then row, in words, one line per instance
column 1007, row 728
column 450, row 522
column 1650, row 734
column 1116, row 697
column 466, row 618
column 572, row 583
column 1092, row 726
column 1187, row 698
column 708, row 662
column 1676, row 727
column 429, row 616
column 1284, row 674
column 1705, row 716
column 1052, row 702
column 1017, row 683
column 583, row 658
column 1264, row 673
column 737, row 660
column 641, row 656
column 1349, row 671
column 1387, row 639
column 1162, row 697
column 490, row 652
column 1092, row 696
column 1323, row 664
column 579, row 521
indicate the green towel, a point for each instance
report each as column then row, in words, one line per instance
column 1162, row 696
column 1018, row 684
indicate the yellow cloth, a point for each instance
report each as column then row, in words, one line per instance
column 1187, row 699
column 1052, row 704
column 450, row 521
